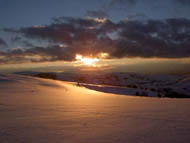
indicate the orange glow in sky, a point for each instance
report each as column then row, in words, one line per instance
column 87, row 60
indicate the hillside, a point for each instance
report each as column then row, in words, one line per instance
column 172, row 86
column 44, row 111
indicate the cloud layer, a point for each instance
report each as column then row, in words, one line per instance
column 2, row 42
column 131, row 9
column 69, row 36
column 103, row 12
column 184, row 2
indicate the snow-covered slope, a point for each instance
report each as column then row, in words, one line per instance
column 172, row 86
column 36, row 110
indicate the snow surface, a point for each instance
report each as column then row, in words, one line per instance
column 173, row 86
column 36, row 110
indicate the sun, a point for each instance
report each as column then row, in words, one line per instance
column 89, row 62
column 86, row 60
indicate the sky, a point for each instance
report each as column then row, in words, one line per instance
column 124, row 35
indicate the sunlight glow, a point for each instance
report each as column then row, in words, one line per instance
column 103, row 55
column 87, row 60
column 99, row 20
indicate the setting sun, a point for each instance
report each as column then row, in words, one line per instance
column 86, row 60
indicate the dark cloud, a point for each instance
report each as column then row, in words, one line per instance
column 19, row 40
column 166, row 39
column 121, row 2
column 56, row 52
column 99, row 13
column 139, row 16
column 63, row 29
column 25, row 43
column 37, row 54
column 16, row 39
column 184, row 2
column 2, row 42
column 151, row 38
column 103, row 12
column 140, row 9
column 54, row 32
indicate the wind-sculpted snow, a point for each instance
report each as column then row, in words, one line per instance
column 36, row 110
